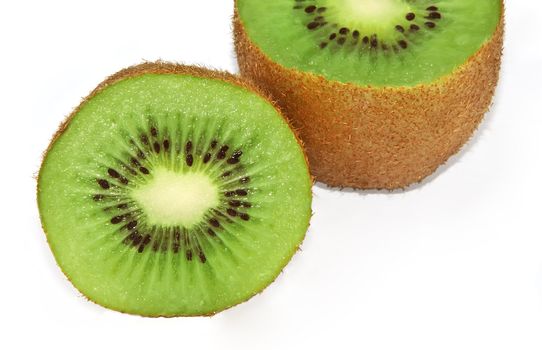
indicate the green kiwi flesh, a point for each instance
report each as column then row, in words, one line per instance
column 371, row 42
column 174, row 193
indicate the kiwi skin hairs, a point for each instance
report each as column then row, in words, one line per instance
column 163, row 67
column 377, row 138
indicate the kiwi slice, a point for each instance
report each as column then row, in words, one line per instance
column 382, row 91
column 173, row 190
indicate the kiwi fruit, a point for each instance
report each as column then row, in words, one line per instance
column 174, row 191
column 381, row 91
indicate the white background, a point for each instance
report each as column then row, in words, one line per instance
column 455, row 263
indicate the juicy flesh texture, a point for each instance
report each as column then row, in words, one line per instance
column 80, row 192
column 401, row 56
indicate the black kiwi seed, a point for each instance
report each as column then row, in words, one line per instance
column 365, row 40
column 319, row 19
column 322, row 9
column 433, row 15
column 214, row 222
column 403, row 44
column 430, row 25
column 410, row 16
column 310, row 9
column 313, row 25
column 333, row 36
column 207, row 158
column 234, row 159
column 400, row 28
column 117, row 219
column 113, row 173
column 323, row 45
column 355, row 34
column 231, row 212
column 156, row 146
column 138, row 238
column 432, row 8
column 374, row 41
column 144, row 170
column 188, row 147
column 234, row 203
column 189, row 160
column 144, row 139
column 344, row 31
column 414, row 28
column 202, row 257
column 131, row 225
column 116, row 175
column 245, row 180
column 222, row 152
column 103, row 184
column 244, row 216
column 241, row 192
column 98, row 197
column 154, row 132
column 166, row 145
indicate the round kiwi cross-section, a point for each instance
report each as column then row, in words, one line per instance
column 382, row 91
column 379, row 43
column 172, row 191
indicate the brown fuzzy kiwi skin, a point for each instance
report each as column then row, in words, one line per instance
column 377, row 138
column 162, row 67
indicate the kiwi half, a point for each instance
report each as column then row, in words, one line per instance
column 174, row 190
column 381, row 91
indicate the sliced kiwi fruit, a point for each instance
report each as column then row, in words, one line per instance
column 174, row 190
column 382, row 91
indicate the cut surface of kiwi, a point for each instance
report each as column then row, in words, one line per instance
column 173, row 190
column 382, row 92
column 371, row 42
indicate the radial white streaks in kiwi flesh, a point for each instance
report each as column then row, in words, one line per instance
column 368, row 29
column 154, row 158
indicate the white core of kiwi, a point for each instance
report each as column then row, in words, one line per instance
column 172, row 199
column 373, row 13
